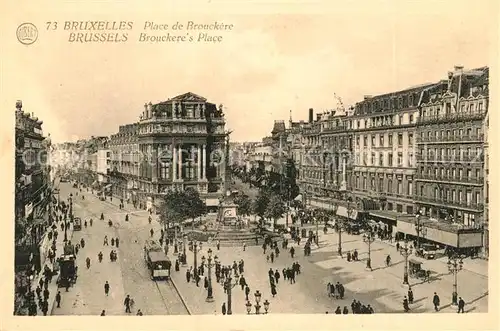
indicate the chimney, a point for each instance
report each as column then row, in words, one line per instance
column 366, row 97
column 459, row 69
column 318, row 117
column 311, row 115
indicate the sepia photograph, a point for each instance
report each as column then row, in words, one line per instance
column 273, row 159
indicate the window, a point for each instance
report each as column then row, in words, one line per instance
column 477, row 198
column 471, row 108
column 460, row 196
column 400, row 120
column 372, row 161
column 460, row 173
column 410, row 139
column 410, row 160
column 411, row 119
column 421, row 190
column 400, row 186
column 453, row 196
column 409, row 188
column 390, row 159
column 390, row 140
column 380, row 184
column 365, row 141
column 435, row 193
column 400, row 139
column 373, row 141
column 357, row 141
column 364, row 183
column 389, row 186
column 480, row 106
column 381, row 159
column 381, row 140
column 400, row 159
column 469, row 174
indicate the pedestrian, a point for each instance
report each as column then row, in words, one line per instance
column 273, row 290
column 105, row 241
column 218, row 245
column 126, row 302
column 461, row 305
column 341, row 291
column 223, row 308
column 405, row 305
column 91, row 222
column 277, row 276
column 106, row 288
column 117, row 242
column 436, row 301
column 58, row 299
column 151, row 232
column 244, row 247
column 112, row 241
column 328, row 289
column 205, row 282
column 410, row 295
column 243, row 282
column 139, row 312
column 46, row 294
column 103, row 313
column 45, row 307
column 88, row 262
column 338, row 311
column 345, row 311
column 247, row 292
column 292, row 252
column 188, row 275
column 272, row 257
column 99, row 256
column 284, row 273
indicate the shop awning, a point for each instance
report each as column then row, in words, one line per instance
column 298, row 197
column 343, row 212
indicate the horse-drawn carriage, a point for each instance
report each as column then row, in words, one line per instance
column 416, row 270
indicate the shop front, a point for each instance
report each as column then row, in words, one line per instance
column 451, row 235
column 384, row 218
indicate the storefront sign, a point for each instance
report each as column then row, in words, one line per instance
column 470, row 239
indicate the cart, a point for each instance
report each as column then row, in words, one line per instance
column 77, row 224
column 67, row 270
column 416, row 270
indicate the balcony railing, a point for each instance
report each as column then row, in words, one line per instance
column 463, row 138
column 450, row 158
column 450, row 117
column 449, row 202
column 458, row 179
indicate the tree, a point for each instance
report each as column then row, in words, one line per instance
column 173, row 209
column 195, row 206
column 260, row 203
column 275, row 209
column 244, row 204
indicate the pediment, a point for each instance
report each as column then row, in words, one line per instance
column 191, row 97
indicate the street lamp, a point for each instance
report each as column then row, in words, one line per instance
column 368, row 238
column 266, row 305
column 184, row 243
column 455, row 265
column 258, row 296
column 420, row 229
column 228, row 286
column 405, row 252
column 249, row 307
column 196, row 248
column 210, row 264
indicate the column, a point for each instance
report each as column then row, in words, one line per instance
column 344, row 161
column 204, row 162
column 174, row 162
column 198, row 158
column 154, row 163
column 179, row 161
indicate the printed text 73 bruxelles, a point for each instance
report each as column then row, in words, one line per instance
column 118, row 31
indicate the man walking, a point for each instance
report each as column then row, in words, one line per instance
column 126, row 302
column 106, row 288
column 58, row 299
column 436, row 301
column 461, row 305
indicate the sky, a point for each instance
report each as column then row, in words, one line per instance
column 277, row 58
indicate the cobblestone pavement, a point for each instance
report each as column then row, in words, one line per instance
column 128, row 275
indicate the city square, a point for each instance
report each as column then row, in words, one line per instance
column 186, row 193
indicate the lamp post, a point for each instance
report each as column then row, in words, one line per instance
column 228, row 286
column 368, row 238
column 340, row 227
column 405, row 251
column 419, row 228
column 210, row 264
column 195, row 263
column 266, row 305
column 317, row 229
column 455, row 264
column 258, row 296
column 184, row 243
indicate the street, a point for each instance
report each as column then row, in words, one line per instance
column 128, row 275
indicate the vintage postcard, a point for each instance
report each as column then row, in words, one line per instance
column 249, row 164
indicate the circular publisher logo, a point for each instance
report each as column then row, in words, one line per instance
column 27, row 33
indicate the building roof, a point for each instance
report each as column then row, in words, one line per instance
column 189, row 96
column 279, row 126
